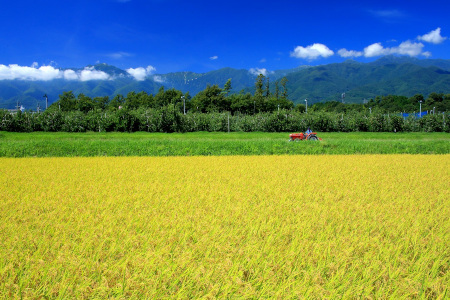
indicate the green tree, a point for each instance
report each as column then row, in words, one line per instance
column 117, row 102
column 438, row 102
column 242, row 103
column 258, row 99
column 277, row 90
column 137, row 100
column 227, row 87
column 210, row 99
column 300, row 108
column 101, row 102
column 84, row 103
column 259, row 86
column 267, row 91
column 274, row 104
column 164, row 98
column 413, row 103
column 284, row 91
column 66, row 102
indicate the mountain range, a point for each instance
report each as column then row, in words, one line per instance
column 359, row 81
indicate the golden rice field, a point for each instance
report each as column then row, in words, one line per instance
column 278, row 227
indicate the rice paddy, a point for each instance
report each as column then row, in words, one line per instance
column 298, row 226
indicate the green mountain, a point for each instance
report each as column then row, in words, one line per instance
column 361, row 81
column 387, row 75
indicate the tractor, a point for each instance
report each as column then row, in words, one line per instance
column 303, row 136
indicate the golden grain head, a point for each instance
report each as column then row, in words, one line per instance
column 357, row 226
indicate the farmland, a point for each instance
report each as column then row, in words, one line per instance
column 50, row 144
column 290, row 226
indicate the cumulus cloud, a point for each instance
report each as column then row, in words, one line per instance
column 14, row 71
column 433, row 37
column 92, row 74
column 70, row 75
column 46, row 73
column 405, row 48
column 349, row 53
column 140, row 73
column 313, row 51
column 375, row 49
column 257, row 71
column 408, row 48
column 214, row 57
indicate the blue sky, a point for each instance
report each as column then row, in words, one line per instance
column 161, row 36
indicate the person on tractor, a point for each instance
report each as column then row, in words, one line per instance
column 308, row 131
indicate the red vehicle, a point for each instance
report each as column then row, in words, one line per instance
column 303, row 136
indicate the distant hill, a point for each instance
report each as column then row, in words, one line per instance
column 387, row 75
column 361, row 81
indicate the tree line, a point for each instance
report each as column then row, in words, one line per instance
column 218, row 109
column 435, row 103
column 216, row 99
column 211, row 99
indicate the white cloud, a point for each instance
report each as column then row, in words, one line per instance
column 46, row 73
column 70, row 75
column 263, row 60
column 375, row 49
column 312, row 51
column 158, row 79
column 14, row 71
column 433, row 37
column 257, row 71
column 92, row 74
column 405, row 48
column 214, row 57
column 349, row 53
column 140, row 73
column 88, row 73
column 408, row 48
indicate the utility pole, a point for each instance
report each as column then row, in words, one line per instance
column 420, row 113
column 306, row 101
column 46, row 101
